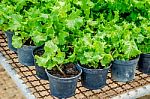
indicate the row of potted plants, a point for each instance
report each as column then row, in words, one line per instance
column 66, row 39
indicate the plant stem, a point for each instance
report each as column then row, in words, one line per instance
column 31, row 42
column 25, row 39
column 61, row 71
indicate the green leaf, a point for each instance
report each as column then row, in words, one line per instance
column 62, row 37
column 17, row 41
column 134, row 16
column 41, row 61
column 50, row 47
column 86, row 5
column 106, row 60
column 38, row 37
column 74, row 23
column 59, row 58
column 51, row 64
column 130, row 49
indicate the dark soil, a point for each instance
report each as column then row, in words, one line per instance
column 39, row 52
column 29, row 42
column 69, row 70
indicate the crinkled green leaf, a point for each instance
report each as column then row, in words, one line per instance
column 17, row 41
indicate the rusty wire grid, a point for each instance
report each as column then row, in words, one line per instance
column 40, row 88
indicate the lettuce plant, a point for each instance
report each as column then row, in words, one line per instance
column 91, row 51
column 143, row 39
column 123, row 43
column 29, row 20
column 54, row 56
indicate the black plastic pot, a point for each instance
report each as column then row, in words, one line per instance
column 144, row 63
column 25, row 55
column 124, row 71
column 94, row 78
column 9, row 40
column 63, row 87
column 40, row 71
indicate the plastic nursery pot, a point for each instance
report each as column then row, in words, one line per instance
column 40, row 71
column 63, row 87
column 94, row 78
column 124, row 71
column 9, row 40
column 144, row 63
column 25, row 55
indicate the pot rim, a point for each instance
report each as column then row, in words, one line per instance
column 38, row 48
column 96, row 69
column 65, row 78
column 29, row 45
column 147, row 54
column 9, row 32
column 117, row 60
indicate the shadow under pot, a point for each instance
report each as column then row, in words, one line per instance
column 9, row 36
column 94, row 78
column 144, row 63
column 63, row 87
column 25, row 55
column 40, row 71
column 124, row 71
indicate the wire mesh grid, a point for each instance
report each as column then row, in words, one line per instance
column 40, row 88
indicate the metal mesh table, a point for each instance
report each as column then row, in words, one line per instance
column 40, row 88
